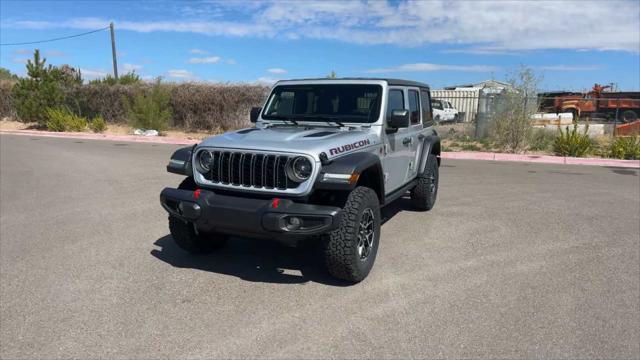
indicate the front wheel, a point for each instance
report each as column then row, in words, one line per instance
column 351, row 250
column 188, row 238
column 186, row 235
column 424, row 194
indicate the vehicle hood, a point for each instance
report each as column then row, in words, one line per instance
column 296, row 139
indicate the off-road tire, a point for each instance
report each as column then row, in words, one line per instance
column 185, row 235
column 341, row 254
column 437, row 119
column 425, row 193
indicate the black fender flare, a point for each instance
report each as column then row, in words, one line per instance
column 180, row 162
column 354, row 163
column 431, row 146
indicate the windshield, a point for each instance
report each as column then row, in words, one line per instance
column 325, row 102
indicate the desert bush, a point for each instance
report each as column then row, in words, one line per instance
column 61, row 119
column 7, row 108
column 512, row 127
column 626, row 147
column 150, row 111
column 130, row 78
column 571, row 142
column 97, row 124
column 541, row 140
column 216, row 107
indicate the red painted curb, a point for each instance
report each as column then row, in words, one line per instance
column 75, row 135
column 543, row 159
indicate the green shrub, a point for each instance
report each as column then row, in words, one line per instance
column 130, row 78
column 626, row 148
column 43, row 87
column 98, row 124
column 572, row 143
column 150, row 111
column 62, row 119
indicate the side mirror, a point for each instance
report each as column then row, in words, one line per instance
column 399, row 119
column 255, row 114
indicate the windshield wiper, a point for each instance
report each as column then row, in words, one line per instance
column 328, row 119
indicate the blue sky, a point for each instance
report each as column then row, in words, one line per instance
column 571, row 44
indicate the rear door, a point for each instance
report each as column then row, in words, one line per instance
column 397, row 146
column 415, row 127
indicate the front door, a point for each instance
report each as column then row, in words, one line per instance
column 398, row 144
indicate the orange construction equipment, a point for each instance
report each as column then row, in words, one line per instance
column 628, row 129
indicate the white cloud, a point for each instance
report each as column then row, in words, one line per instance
column 131, row 67
column 54, row 53
column 482, row 26
column 181, row 74
column 277, row 71
column 266, row 80
column 426, row 67
column 93, row 74
column 18, row 60
column 197, row 51
column 205, row 60
column 23, row 52
column 569, row 67
column 231, row 61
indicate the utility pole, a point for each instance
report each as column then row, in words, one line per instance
column 113, row 52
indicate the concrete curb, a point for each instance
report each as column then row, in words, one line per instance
column 76, row 135
column 543, row 159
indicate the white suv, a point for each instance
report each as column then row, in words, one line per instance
column 444, row 111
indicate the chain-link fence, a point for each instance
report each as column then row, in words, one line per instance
column 612, row 113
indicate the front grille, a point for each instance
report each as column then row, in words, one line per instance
column 250, row 170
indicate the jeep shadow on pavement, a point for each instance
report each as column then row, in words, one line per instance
column 324, row 157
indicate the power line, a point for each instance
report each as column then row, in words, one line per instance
column 55, row 39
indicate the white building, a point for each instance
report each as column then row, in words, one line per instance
column 465, row 97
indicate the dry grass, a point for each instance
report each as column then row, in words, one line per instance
column 112, row 129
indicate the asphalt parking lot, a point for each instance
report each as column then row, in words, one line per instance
column 516, row 260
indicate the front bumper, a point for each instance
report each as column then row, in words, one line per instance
column 262, row 218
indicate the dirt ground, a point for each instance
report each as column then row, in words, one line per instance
column 112, row 129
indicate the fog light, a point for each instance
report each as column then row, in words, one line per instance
column 293, row 223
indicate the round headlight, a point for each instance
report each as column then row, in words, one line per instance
column 300, row 169
column 204, row 160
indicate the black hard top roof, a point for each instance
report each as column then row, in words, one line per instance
column 396, row 82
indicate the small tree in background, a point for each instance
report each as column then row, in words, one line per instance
column 151, row 110
column 43, row 88
column 512, row 128
column 332, row 75
column 5, row 74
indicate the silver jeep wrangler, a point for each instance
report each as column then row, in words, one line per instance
column 324, row 156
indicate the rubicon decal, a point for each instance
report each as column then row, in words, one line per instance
column 349, row 147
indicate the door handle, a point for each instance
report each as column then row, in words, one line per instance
column 406, row 141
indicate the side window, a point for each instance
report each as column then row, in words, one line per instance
column 427, row 116
column 437, row 104
column 395, row 102
column 414, row 106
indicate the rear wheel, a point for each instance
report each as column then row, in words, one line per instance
column 424, row 194
column 186, row 235
column 351, row 250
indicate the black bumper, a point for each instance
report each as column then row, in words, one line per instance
column 262, row 218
